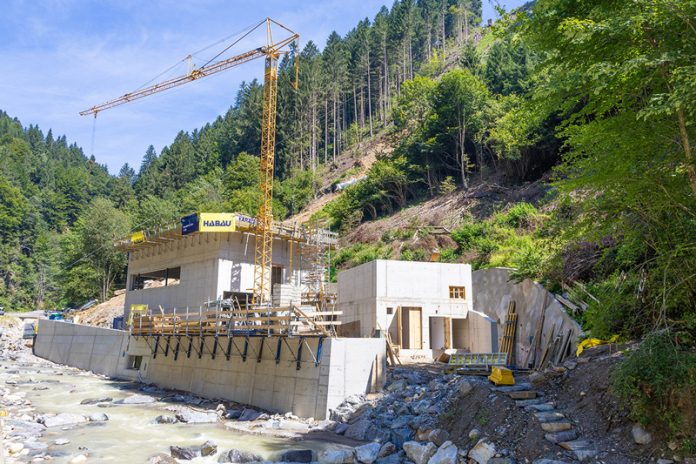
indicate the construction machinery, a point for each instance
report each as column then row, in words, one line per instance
column 271, row 51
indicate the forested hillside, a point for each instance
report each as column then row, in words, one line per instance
column 590, row 105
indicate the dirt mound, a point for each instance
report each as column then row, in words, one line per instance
column 580, row 391
column 445, row 212
column 103, row 314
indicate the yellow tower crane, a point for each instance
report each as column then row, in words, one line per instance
column 264, row 220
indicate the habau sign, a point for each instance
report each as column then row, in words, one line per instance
column 217, row 222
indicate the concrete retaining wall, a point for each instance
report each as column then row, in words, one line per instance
column 346, row 366
column 103, row 351
column 493, row 292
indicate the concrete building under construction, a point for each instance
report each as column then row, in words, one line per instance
column 426, row 308
column 192, row 267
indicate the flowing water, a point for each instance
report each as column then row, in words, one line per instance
column 129, row 436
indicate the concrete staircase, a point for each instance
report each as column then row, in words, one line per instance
column 557, row 428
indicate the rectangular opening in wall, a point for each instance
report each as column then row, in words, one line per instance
column 134, row 362
column 390, row 310
column 276, row 275
column 457, row 292
column 160, row 278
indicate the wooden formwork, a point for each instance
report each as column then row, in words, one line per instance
column 260, row 321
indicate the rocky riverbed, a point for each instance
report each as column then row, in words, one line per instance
column 64, row 415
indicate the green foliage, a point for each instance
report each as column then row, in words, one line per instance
column 358, row 254
column 408, row 254
column 386, row 188
column 657, row 382
column 519, row 215
column 92, row 265
column 413, row 104
column 447, row 186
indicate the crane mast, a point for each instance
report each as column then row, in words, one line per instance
column 263, row 253
column 264, row 220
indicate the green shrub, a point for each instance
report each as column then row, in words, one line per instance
column 447, row 186
column 448, row 255
column 471, row 235
column 518, row 216
column 618, row 308
column 414, row 255
column 657, row 382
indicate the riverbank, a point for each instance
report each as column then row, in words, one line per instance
column 61, row 414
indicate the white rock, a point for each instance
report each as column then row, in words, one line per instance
column 62, row 420
column 367, row 454
column 640, row 435
column 61, row 441
column 15, row 448
column 419, row 453
column 138, row 399
column 79, row 459
column 482, row 452
column 446, row 454
column 464, row 387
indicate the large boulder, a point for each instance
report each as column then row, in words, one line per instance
column 401, row 436
column 438, row 436
column 464, row 387
column 62, row 420
column 419, row 453
column 97, row 400
column 162, row 458
column 208, row 448
column 359, row 430
column 238, row 456
column 340, row 456
column 249, row 415
column 367, row 454
column 397, row 386
column 386, row 449
column 446, row 454
column 137, row 399
column 304, row 455
column 190, row 416
column 185, row 453
column 165, row 420
column 640, row 435
column 482, row 452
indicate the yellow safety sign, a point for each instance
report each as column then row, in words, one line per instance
column 136, row 308
column 137, row 237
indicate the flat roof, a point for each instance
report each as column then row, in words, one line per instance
column 244, row 224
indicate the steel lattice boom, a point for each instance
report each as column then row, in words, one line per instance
column 264, row 221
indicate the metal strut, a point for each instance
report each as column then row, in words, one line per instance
column 278, row 349
column 299, row 354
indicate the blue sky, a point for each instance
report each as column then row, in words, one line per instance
column 62, row 56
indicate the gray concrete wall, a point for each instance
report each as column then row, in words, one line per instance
column 493, row 292
column 211, row 263
column 347, row 366
column 103, row 351
column 366, row 291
